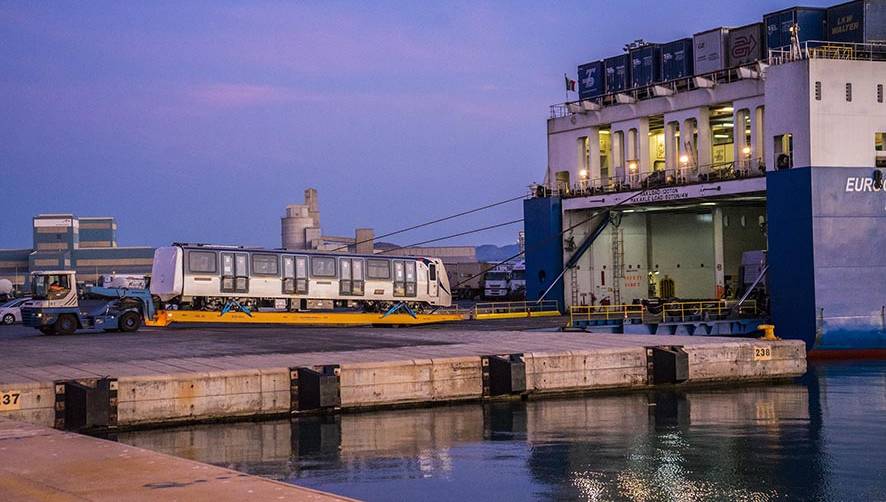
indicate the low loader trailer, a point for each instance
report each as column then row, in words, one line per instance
column 58, row 307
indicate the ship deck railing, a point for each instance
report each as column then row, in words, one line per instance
column 493, row 310
column 658, row 89
column 671, row 312
column 820, row 49
column 662, row 178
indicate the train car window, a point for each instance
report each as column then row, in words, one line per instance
column 202, row 262
column 378, row 269
column 432, row 272
column 264, row 264
column 322, row 266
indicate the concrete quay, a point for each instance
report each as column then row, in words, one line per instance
column 175, row 376
column 38, row 463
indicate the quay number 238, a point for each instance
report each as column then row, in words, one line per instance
column 762, row 353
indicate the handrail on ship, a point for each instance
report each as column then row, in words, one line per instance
column 664, row 178
column 670, row 312
column 526, row 307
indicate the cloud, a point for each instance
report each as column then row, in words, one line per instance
column 228, row 95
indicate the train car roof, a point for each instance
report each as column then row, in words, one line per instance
column 222, row 247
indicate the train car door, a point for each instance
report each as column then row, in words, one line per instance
column 399, row 278
column 235, row 273
column 295, row 275
column 351, row 281
column 432, row 280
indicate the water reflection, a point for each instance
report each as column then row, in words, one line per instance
column 822, row 437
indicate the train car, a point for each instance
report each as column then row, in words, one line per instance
column 208, row 277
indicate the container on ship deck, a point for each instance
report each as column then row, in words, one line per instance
column 811, row 20
column 645, row 65
column 676, row 59
column 591, row 80
column 860, row 22
column 618, row 72
column 709, row 50
column 746, row 45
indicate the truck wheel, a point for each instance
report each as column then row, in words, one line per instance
column 66, row 325
column 129, row 322
column 8, row 319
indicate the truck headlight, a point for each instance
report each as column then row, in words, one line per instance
column 39, row 314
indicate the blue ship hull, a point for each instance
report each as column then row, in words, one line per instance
column 827, row 257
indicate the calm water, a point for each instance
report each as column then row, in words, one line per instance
column 823, row 437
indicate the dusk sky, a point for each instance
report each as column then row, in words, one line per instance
column 201, row 121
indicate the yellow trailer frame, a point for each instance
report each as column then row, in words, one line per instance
column 167, row 317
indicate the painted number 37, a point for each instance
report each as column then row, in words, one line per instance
column 9, row 400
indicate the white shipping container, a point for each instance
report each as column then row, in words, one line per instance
column 709, row 48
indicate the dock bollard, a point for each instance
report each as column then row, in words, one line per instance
column 768, row 332
column 503, row 375
column 316, row 388
column 666, row 364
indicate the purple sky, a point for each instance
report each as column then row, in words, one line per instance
column 201, row 121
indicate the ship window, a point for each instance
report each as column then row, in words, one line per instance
column 879, row 138
column 849, row 92
column 264, row 264
column 784, row 151
column 378, row 269
column 818, row 90
column 879, row 93
column 322, row 266
column 202, row 262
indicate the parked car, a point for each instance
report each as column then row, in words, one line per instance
column 10, row 312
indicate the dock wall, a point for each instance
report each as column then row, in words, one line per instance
column 145, row 400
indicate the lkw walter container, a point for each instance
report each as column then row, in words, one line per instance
column 645, row 65
column 676, row 59
column 746, row 45
column 812, row 22
column 618, row 72
column 709, row 50
column 860, row 22
column 591, row 80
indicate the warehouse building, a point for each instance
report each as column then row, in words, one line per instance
column 65, row 241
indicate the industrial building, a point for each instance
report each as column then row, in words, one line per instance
column 657, row 187
column 300, row 229
column 65, row 241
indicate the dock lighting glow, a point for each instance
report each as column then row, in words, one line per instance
column 632, row 165
column 684, row 159
column 746, row 151
column 583, row 173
